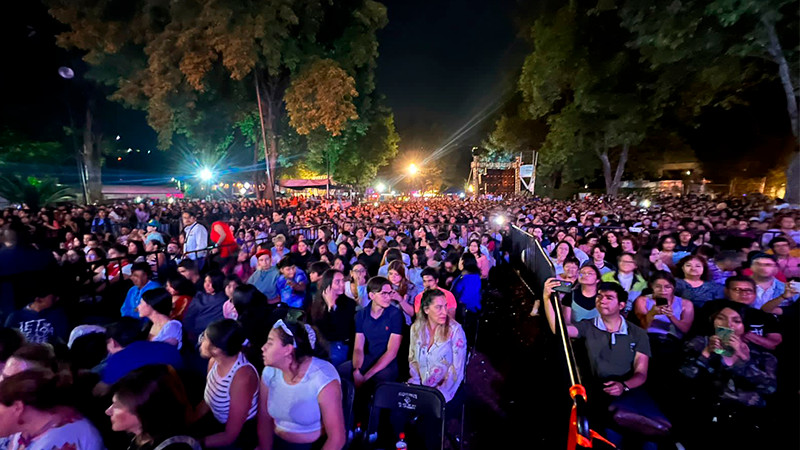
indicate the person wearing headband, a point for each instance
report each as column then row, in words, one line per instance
column 300, row 396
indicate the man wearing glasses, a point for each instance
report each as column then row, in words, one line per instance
column 378, row 337
column 761, row 328
column 771, row 294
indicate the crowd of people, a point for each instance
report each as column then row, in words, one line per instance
column 687, row 318
column 239, row 324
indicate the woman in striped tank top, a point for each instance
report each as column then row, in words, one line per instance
column 231, row 394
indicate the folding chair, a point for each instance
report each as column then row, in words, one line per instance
column 348, row 399
column 420, row 400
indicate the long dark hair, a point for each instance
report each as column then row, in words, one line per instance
column 570, row 253
column 318, row 306
column 470, row 264
column 181, row 285
column 255, row 318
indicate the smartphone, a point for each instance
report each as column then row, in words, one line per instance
column 724, row 335
column 660, row 301
column 564, row 288
column 795, row 285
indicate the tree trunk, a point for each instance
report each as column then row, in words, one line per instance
column 793, row 169
column 256, row 177
column 268, row 137
column 614, row 182
column 92, row 160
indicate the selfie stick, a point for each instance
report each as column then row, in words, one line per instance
column 580, row 435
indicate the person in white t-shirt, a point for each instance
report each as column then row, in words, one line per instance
column 300, row 394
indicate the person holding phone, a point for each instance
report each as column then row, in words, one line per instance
column 662, row 313
column 619, row 356
column 724, row 373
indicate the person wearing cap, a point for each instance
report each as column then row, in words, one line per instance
column 771, row 293
column 152, row 232
column 265, row 278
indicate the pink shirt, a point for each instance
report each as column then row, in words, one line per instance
column 451, row 299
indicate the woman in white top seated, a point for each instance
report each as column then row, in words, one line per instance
column 156, row 306
column 230, row 394
column 438, row 350
column 437, row 358
column 300, row 400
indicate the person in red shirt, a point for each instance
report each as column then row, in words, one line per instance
column 430, row 280
column 222, row 236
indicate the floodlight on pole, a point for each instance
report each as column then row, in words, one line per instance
column 412, row 169
column 380, row 187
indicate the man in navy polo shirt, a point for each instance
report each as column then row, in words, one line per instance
column 378, row 338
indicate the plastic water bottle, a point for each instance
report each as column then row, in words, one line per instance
column 401, row 444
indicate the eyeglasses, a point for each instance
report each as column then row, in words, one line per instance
column 385, row 292
column 743, row 290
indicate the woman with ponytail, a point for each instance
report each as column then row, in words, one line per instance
column 300, row 397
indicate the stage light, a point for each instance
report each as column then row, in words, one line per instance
column 500, row 220
column 205, row 174
column 247, row 185
column 380, row 187
column 412, row 169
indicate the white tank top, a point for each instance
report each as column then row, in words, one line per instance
column 218, row 390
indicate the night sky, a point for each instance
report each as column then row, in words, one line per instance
column 442, row 63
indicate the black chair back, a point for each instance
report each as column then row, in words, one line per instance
column 419, row 400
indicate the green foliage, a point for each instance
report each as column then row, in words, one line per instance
column 34, row 192
column 590, row 89
column 365, row 145
column 190, row 65
column 16, row 148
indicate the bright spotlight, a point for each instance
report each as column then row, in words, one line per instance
column 380, row 187
column 500, row 220
column 138, row 199
column 205, row 174
column 645, row 203
column 242, row 191
column 471, row 188
column 247, row 185
column 412, row 169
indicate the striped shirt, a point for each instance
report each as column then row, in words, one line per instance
column 218, row 391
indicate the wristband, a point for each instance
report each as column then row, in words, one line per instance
column 625, row 387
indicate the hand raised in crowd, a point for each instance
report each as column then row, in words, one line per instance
column 549, row 285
